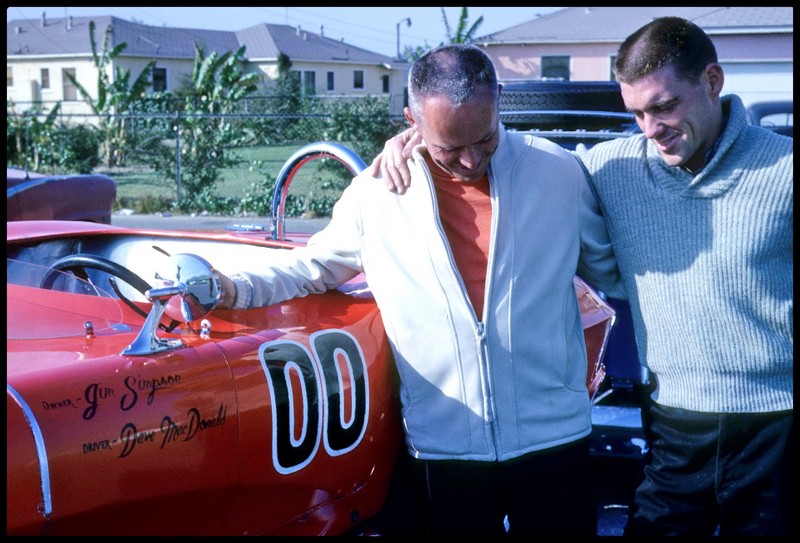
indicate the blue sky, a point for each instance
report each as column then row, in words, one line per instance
column 372, row 28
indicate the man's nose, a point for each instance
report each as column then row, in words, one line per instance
column 651, row 126
column 470, row 158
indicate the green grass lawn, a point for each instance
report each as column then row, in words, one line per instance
column 139, row 184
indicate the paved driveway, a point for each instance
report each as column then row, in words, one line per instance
column 209, row 222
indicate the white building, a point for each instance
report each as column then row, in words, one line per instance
column 40, row 51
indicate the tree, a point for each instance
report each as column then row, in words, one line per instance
column 288, row 101
column 218, row 84
column 461, row 35
column 218, row 80
column 32, row 138
column 287, row 87
column 114, row 96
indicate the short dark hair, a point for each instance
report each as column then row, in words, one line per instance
column 453, row 71
column 665, row 41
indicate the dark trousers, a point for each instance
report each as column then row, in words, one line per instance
column 707, row 473
column 541, row 493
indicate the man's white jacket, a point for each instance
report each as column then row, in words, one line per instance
column 473, row 387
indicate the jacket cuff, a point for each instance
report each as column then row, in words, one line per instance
column 244, row 292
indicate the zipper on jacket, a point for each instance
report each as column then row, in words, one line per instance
column 478, row 325
column 443, row 236
column 483, row 347
column 483, row 353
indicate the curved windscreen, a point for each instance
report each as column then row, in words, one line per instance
column 45, row 303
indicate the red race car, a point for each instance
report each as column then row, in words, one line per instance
column 134, row 407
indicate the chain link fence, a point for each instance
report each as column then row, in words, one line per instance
column 171, row 154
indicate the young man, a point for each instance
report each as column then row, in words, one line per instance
column 700, row 211
column 473, row 270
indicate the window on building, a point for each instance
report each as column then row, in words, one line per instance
column 385, row 83
column 331, row 85
column 309, row 83
column 69, row 90
column 159, row 79
column 358, row 79
column 555, row 67
column 9, row 76
column 45, row 74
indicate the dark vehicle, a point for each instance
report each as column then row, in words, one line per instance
column 567, row 112
column 79, row 197
column 777, row 116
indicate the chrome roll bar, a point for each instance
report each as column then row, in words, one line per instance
column 321, row 149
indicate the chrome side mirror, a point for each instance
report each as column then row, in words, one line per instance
column 198, row 285
column 190, row 290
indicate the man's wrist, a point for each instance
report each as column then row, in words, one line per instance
column 227, row 292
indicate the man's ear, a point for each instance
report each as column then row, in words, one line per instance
column 409, row 117
column 716, row 78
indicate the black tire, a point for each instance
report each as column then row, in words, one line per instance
column 558, row 106
column 561, row 95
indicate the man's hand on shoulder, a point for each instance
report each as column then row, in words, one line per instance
column 391, row 163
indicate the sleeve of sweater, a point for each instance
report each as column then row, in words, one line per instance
column 597, row 263
column 332, row 257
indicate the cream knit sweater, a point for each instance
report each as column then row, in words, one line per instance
column 707, row 263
